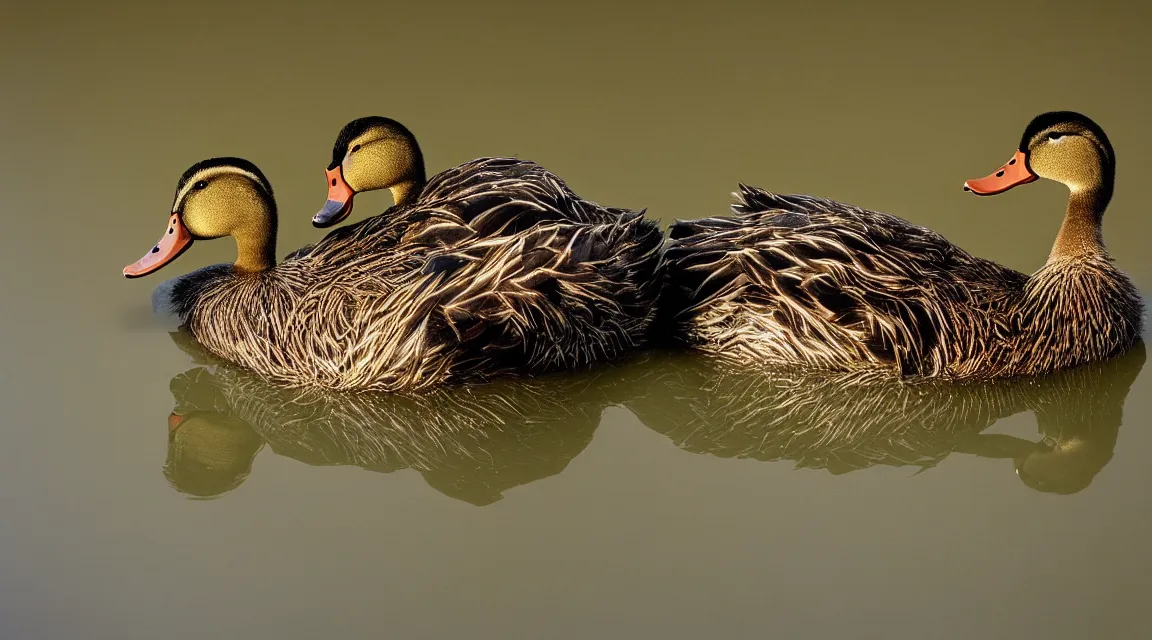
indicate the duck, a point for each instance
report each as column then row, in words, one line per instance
column 807, row 282
column 451, row 289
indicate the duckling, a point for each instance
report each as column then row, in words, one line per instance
column 809, row 282
column 412, row 302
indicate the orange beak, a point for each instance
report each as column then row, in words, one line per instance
column 339, row 203
column 174, row 421
column 1014, row 172
column 174, row 242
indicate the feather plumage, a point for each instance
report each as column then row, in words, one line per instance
column 497, row 267
column 804, row 281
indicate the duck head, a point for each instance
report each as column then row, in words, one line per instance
column 216, row 198
column 371, row 153
column 1071, row 149
column 1061, row 145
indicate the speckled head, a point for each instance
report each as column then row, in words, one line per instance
column 1070, row 148
column 215, row 198
column 370, row 153
column 1064, row 146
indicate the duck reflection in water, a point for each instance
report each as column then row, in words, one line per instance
column 847, row 423
column 469, row 443
column 474, row 443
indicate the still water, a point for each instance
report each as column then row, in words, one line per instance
column 148, row 491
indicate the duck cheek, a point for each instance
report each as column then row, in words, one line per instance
column 175, row 241
column 1013, row 173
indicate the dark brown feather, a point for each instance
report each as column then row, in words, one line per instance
column 497, row 267
column 799, row 280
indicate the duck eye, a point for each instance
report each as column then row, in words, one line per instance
column 1055, row 135
column 200, row 184
column 355, row 149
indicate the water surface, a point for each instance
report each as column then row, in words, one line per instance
column 147, row 491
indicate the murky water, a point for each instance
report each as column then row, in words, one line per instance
column 657, row 496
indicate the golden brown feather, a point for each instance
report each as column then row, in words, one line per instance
column 496, row 268
column 804, row 281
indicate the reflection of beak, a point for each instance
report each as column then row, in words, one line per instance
column 175, row 242
column 1015, row 172
column 339, row 203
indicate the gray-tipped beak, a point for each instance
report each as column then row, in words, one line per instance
column 331, row 213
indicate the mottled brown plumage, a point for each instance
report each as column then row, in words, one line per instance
column 809, row 282
column 497, row 267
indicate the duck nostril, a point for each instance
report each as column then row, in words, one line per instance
column 333, row 182
column 156, row 249
column 1012, row 161
column 999, row 174
column 170, row 230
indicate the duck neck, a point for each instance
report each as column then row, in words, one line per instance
column 405, row 193
column 1080, row 234
column 256, row 251
column 408, row 190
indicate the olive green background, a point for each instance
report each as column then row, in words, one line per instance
column 665, row 107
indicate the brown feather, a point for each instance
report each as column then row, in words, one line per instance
column 496, row 268
column 798, row 280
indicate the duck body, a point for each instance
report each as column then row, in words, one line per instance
column 492, row 267
column 810, row 282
